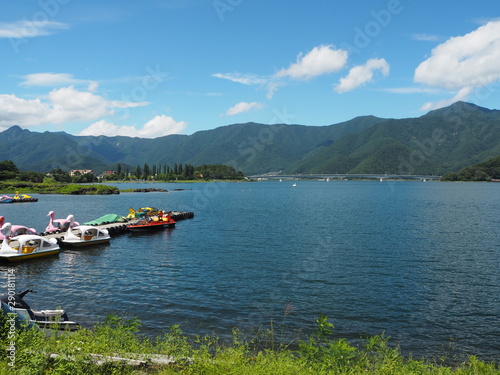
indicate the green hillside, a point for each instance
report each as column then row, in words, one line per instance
column 486, row 171
column 439, row 142
column 250, row 147
column 444, row 140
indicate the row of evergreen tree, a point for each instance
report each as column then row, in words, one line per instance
column 175, row 172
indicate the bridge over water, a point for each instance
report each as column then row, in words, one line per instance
column 344, row 176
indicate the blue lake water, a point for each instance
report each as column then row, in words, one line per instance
column 418, row 261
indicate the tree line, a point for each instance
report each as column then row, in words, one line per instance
column 176, row 172
column 9, row 171
column 207, row 172
column 486, row 171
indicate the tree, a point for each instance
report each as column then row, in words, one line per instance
column 8, row 166
column 36, row 177
column 60, row 176
column 451, row 176
column 84, row 178
column 147, row 172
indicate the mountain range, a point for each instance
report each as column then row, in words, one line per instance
column 438, row 142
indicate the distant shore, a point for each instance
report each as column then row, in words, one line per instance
column 11, row 187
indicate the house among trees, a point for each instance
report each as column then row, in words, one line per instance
column 80, row 172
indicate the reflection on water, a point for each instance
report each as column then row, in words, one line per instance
column 417, row 261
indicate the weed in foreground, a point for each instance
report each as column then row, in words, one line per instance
column 112, row 346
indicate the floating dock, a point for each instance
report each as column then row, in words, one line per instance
column 119, row 228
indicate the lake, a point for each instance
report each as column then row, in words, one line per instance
column 418, row 261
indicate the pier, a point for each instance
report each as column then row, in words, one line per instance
column 121, row 227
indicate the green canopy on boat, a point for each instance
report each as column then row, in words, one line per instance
column 109, row 218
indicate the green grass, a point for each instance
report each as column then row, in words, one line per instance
column 10, row 187
column 263, row 353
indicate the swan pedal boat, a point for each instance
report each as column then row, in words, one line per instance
column 60, row 225
column 15, row 230
column 85, row 235
column 6, row 199
column 27, row 246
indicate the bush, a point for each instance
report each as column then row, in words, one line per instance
column 91, row 351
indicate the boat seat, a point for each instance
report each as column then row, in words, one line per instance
column 28, row 249
column 47, row 315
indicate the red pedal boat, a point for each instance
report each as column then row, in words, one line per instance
column 153, row 222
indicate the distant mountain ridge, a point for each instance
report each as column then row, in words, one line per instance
column 440, row 141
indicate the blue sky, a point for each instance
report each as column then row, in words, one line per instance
column 162, row 67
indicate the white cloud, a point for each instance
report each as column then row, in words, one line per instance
column 463, row 63
column 162, row 125
column 320, row 60
column 361, row 74
column 92, row 87
column 159, row 126
column 463, row 94
column 246, row 79
column 29, row 29
column 272, row 87
column 469, row 60
column 243, row 107
column 56, row 79
column 61, row 106
column 268, row 83
column 18, row 111
column 69, row 105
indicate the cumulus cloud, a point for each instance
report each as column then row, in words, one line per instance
column 23, row 112
column 61, row 106
column 159, row 126
column 320, row 60
column 69, row 105
column 361, row 74
column 323, row 59
column 464, row 63
column 243, row 107
column 29, row 29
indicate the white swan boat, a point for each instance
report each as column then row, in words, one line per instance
column 85, row 235
column 26, row 246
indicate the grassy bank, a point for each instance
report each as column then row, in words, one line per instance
column 55, row 188
column 115, row 342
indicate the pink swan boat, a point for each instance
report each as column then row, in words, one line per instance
column 60, row 225
column 16, row 230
